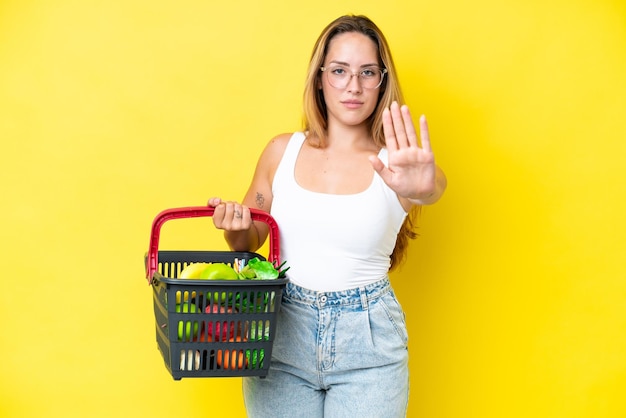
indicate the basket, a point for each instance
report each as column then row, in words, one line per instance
column 212, row 328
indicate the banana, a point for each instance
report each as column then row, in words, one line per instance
column 193, row 271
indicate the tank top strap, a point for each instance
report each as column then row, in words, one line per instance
column 284, row 178
column 293, row 148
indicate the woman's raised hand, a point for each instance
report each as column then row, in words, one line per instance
column 230, row 216
column 411, row 171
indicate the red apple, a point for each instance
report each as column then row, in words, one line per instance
column 220, row 330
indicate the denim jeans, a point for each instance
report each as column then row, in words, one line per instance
column 336, row 355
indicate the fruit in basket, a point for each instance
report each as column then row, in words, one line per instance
column 220, row 330
column 219, row 271
column 232, row 359
column 193, row 271
column 257, row 269
column 209, row 271
column 185, row 297
column 255, row 358
column 260, row 331
column 184, row 327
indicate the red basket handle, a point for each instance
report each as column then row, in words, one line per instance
column 152, row 261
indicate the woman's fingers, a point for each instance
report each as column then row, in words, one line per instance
column 388, row 130
column 234, row 211
column 232, row 216
column 218, row 212
column 424, row 134
column 409, row 128
column 398, row 127
column 214, row 201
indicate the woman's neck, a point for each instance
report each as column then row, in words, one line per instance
column 355, row 138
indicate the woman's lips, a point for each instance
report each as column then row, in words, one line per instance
column 352, row 104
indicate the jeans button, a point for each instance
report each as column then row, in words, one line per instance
column 323, row 298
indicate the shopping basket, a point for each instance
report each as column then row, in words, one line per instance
column 213, row 328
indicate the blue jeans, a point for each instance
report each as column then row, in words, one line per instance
column 336, row 355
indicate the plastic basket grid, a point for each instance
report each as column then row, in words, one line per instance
column 213, row 328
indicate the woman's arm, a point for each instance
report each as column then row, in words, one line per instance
column 240, row 231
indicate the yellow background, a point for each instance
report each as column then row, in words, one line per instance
column 111, row 111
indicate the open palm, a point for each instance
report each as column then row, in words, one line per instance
column 411, row 169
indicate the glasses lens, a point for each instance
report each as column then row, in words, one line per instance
column 339, row 77
column 370, row 78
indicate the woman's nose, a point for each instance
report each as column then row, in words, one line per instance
column 354, row 84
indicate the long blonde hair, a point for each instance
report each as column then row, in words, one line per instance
column 315, row 119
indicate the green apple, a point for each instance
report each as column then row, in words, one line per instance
column 184, row 327
column 219, row 271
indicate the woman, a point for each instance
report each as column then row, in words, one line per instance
column 340, row 192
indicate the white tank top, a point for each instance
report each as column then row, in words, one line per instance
column 334, row 242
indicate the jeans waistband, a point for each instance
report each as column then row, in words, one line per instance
column 358, row 295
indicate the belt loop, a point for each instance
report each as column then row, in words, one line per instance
column 363, row 293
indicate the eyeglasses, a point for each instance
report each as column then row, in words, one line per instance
column 340, row 76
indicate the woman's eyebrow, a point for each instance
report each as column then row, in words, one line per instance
column 345, row 64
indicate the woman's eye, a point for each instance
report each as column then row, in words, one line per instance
column 338, row 71
column 368, row 72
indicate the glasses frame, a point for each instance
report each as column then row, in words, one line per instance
column 383, row 71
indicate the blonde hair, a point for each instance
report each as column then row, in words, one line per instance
column 315, row 120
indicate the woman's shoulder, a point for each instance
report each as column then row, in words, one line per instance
column 281, row 139
column 284, row 138
column 275, row 148
column 278, row 144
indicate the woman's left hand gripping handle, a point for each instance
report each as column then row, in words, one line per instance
column 230, row 215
